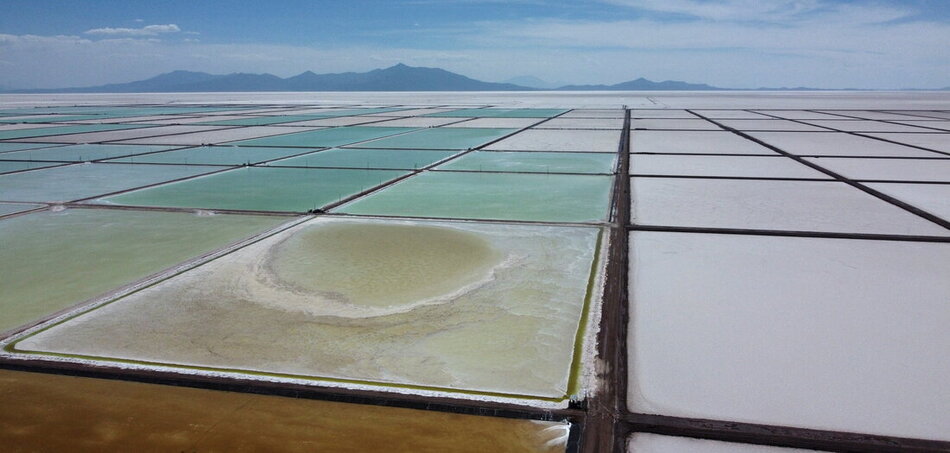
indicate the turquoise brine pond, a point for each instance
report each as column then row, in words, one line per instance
column 79, row 181
column 335, row 136
column 215, row 155
column 60, row 130
column 4, row 147
column 14, row 165
column 81, row 153
column 541, row 197
column 367, row 158
column 10, row 208
column 263, row 120
column 260, row 189
column 440, row 138
column 500, row 113
column 533, row 162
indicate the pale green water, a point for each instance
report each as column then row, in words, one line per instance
column 10, row 208
column 499, row 113
column 81, row 153
column 440, row 138
column 60, row 130
column 534, row 162
column 511, row 333
column 553, row 198
column 367, row 158
column 325, row 137
column 215, row 155
column 260, row 188
column 8, row 166
column 381, row 265
column 4, row 147
column 50, row 260
column 74, row 182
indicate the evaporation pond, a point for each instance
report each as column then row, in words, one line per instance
column 500, row 113
column 260, row 189
column 46, row 412
column 365, row 301
column 539, row 197
column 60, row 130
column 216, row 155
column 367, row 158
column 441, row 138
column 80, row 153
column 262, row 120
column 533, row 162
column 50, row 260
column 326, row 137
column 18, row 165
column 74, row 182
column 4, row 147
column 10, row 208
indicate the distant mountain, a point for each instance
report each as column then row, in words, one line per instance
column 395, row 78
column 532, row 82
column 642, row 84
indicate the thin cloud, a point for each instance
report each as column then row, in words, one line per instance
column 772, row 11
column 148, row 30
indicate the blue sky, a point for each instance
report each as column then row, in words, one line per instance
column 730, row 43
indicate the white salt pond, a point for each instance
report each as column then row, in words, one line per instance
column 834, row 334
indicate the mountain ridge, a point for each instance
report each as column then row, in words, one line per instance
column 398, row 77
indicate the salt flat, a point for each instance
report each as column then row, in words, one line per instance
column 787, row 255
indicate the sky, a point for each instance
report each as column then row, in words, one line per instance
column 727, row 43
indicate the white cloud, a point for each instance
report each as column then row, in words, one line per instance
column 818, row 46
column 773, row 11
column 148, row 30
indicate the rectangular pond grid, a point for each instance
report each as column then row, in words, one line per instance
column 755, row 176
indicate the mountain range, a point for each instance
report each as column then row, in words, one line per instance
column 395, row 78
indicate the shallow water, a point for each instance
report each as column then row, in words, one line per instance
column 10, row 208
column 81, row 153
column 59, row 130
column 263, row 120
column 534, row 162
column 50, row 260
column 500, row 113
column 260, row 189
column 74, row 182
column 504, row 323
column 44, row 412
column 539, row 197
column 367, row 158
column 4, row 147
column 325, row 137
column 215, row 155
column 382, row 265
column 440, row 138
column 11, row 166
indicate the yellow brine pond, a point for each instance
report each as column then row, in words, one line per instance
column 45, row 412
